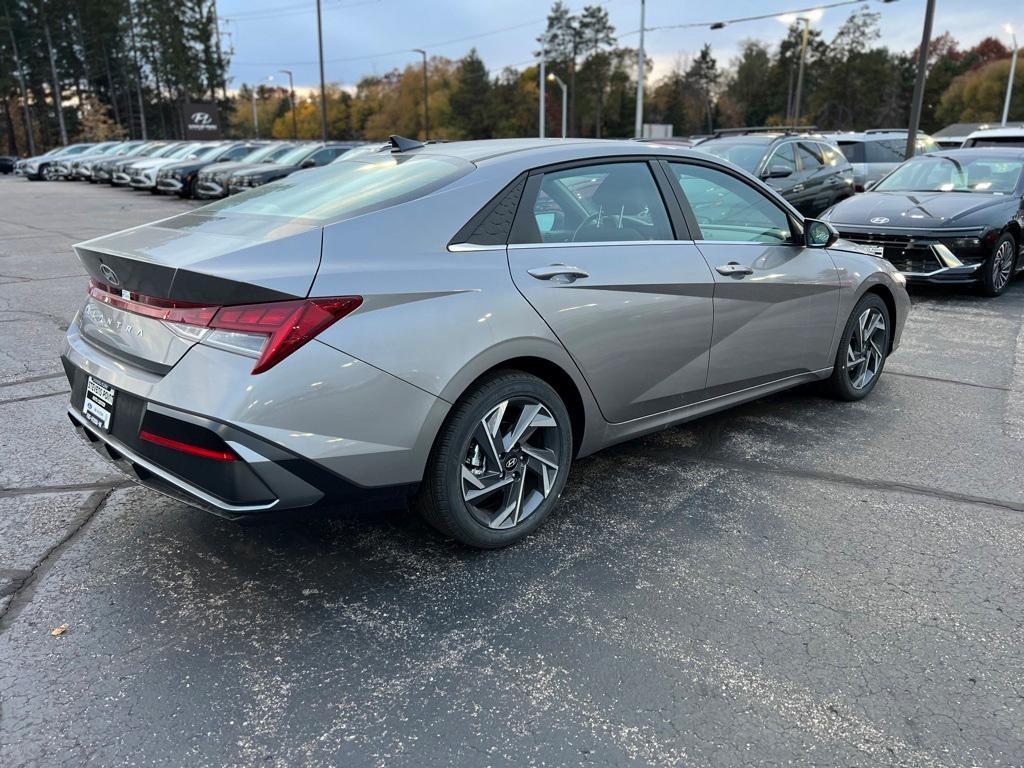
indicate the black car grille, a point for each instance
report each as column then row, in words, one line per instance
column 902, row 251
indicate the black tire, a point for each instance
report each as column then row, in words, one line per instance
column 441, row 499
column 994, row 277
column 843, row 384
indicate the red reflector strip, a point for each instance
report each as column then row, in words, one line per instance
column 150, row 306
column 194, row 450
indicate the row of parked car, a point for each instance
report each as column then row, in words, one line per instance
column 188, row 169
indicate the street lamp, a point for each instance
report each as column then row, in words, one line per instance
column 565, row 111
column 426, row 110
column 542, row 98
column 806, row 19
column 291, row 100
column 1013, row 72
column 638, row 125
column 255, row 117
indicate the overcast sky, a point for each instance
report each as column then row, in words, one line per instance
column 373, row 36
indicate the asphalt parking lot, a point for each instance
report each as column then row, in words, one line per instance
column 794, row 582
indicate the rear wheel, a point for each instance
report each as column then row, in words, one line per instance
column 998, row 270
column 863, row 349
column 500, row 462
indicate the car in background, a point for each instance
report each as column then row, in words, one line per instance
column 365, row 149
column 81, row 167
column 102, row 170
column 306, row 156
column 808, row 170
column 143, row 173
column 408, row 324
column 875, row 153
column 37, row 168
column 7, row 163
column 63, row 168
column 120, row 172
column 1004, row 136
column 211, row 181
column 951, row 217
column 179, row 178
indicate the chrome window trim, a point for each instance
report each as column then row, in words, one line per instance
column 473, row 247
column 599, row 243
column 747, row 242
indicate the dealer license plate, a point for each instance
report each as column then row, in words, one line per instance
column 98, row 407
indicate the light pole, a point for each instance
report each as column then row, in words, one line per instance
column 922, row 66
column 323, row 88
column 565, row 99
column 638, row 126
column 291, row 100
column 1013, row 72
column 543, row 79
column 255, row 117
column 426, row 95
column 806, row 19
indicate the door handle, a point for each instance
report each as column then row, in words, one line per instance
column 798, row 188
column 732, row 268
column 557, row 270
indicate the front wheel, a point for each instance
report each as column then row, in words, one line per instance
column 998, row 270
column 500, row 462
column 863, row 349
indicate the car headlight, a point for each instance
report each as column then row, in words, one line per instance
column 965, row 242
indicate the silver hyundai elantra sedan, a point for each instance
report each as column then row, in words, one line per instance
column 456, row 323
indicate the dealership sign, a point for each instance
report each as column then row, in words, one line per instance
column 202, row 120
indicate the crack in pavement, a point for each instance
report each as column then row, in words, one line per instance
column 24, row 589
column 941, row 380
column 26, row 398
column 30, row 379
column 31, row 490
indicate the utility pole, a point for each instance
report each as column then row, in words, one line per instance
column 323, row 88
column 800, row 71
column 1013, row 73
column 220, row 58
column 57, row 98
column 426, row 95
column 638, row 126
column 21, row 83
column 291, row 99
column 922, row 66
column 255, row 116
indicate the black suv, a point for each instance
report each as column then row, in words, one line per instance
column 301, row 157
column 806, row 169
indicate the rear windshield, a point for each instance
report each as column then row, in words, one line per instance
column 996, row 141
column 349, row 188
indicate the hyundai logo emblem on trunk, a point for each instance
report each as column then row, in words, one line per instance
column 880, row 220
column 110, row 275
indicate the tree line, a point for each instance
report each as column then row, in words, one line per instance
column 96, row 69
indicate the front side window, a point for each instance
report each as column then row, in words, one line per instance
column 783, row 157
column 346, row 189
column 810, row 160
column 728, row 209
column 615, row 202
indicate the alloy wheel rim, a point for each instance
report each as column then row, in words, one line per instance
column 1002, row 264
column 511, row 463
column 864, row 355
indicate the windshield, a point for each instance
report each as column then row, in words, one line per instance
column 945, row 173
column 186, row 151
column 261, row 154
column 746, row 155
column 342, row 190
column 295, row 156
column 207, row 151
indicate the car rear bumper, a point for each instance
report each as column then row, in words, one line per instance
column 362, row 442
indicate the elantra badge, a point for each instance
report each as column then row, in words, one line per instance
column 880, row 220
column 111, row 276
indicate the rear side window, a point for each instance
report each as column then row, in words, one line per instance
column 347, row 188
column 854, row 151
column 885, row 151
column 615, row 202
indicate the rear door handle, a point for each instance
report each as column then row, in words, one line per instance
column 557, row 270
column 732, row 268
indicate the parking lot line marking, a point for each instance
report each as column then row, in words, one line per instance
column 30, row 379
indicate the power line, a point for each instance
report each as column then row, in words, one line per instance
column 725, row 22
column 289, row 10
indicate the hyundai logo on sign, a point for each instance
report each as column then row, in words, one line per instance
column 202, row 120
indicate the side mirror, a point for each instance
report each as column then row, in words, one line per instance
column 308, row 163
column 819, row 234
column 778, row 172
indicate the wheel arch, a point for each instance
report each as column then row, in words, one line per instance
column 885, row 295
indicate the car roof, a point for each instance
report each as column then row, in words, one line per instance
column 1009, row 131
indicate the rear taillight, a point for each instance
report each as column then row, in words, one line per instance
column 192, row 450
column 279, row 328
column 269, row 331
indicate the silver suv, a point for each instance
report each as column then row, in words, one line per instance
column 456, row 323
column 873, row 154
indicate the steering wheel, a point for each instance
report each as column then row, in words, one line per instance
column 590, row 217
